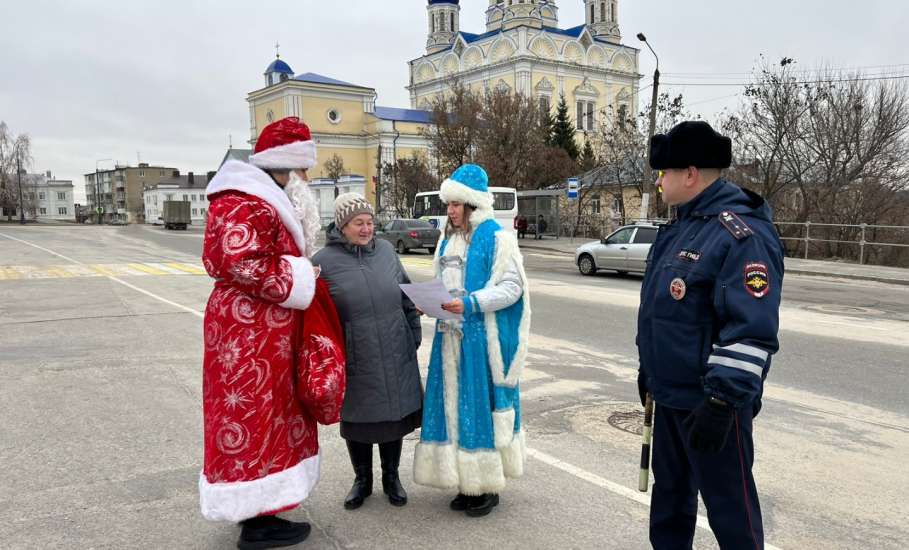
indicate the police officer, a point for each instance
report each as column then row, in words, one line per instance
column 707, row 327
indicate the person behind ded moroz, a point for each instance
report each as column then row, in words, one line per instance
column 472, row 438
column 382, row 332
column 707, row 328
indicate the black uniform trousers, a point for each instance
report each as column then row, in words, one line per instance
column 723, row 479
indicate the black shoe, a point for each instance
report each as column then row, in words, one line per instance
column 271, row 532
column 390, row 453
column 482, row 505
column 459, row 503
column 361, row 458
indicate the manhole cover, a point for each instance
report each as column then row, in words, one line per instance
column 627, row 421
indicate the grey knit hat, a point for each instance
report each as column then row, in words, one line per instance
column 350, row 205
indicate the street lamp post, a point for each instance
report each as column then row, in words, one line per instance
column 648, row 172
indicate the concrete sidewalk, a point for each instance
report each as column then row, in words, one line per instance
column 794, row 266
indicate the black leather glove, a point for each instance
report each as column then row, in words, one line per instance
column 642, row 387
column 709, row 425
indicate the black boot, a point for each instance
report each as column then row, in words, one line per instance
column 482, row 505
column 271, row 532
column 361, row 459
column 459, row 503
column 390, row 453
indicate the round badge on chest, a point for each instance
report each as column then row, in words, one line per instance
column 677, row 288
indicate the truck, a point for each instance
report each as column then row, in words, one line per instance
column 176, row 214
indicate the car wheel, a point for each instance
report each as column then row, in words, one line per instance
column 431, row 249
column 586, row 265
column 401, row 248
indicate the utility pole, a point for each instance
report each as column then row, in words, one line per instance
column 648, row 172
column 19, row 180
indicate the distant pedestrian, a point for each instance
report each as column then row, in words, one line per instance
column 384, row 393
column 260, row 433
column 472, row 437
column 707, row 327
column 541, row 227
column 521, row 226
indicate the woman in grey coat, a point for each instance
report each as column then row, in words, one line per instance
column 384, row 397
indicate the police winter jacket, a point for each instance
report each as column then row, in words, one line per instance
column 381, row 328
column 709, row 314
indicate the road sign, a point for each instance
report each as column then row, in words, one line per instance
column 573, row 185
column 99, row 210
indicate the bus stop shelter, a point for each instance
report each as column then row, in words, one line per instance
column 541, row 204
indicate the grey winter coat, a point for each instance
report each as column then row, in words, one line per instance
column 381, row 328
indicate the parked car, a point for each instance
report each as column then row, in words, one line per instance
column 409, row 234
column 625, row 250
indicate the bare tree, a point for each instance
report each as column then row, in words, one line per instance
column 824, row 147
column 334, row 167
column 412, row 176
column 455, row 124
column 15, row 154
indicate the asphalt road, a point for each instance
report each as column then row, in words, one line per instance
column 100, row 411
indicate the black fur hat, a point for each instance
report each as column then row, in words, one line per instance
column 690, row 143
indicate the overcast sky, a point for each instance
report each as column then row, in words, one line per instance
column 167, row 79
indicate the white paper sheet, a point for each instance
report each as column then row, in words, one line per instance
column 429, row 297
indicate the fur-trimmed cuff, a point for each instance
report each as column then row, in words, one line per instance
column 514, row 456
column 304, row 283
column 241, row 500
column 296, row 155
column 503, row 427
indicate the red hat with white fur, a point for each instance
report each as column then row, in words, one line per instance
column 285, row 145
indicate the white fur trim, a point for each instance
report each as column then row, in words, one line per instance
column 480, row 472
column 304, row 283
column 246, row 178
column 503, row 427
column 507, row 248
column 452, row 190
column 514, row 456
column 240, row 500
column 293, row 156
column 435, row 465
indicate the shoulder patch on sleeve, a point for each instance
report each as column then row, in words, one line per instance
column 735, row 225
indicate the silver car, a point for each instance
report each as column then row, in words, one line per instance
column 625, row 250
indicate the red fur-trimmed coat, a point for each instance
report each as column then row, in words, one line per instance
column 270, row 369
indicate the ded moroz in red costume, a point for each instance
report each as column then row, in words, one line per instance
column 271, row 370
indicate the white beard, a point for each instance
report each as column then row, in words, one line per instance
column 306, row 207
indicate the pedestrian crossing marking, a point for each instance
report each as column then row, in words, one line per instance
column 148, row 269
column 186, row 268
column 69, row 271
column 416, row 262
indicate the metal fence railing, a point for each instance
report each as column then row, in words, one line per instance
column 839, row 234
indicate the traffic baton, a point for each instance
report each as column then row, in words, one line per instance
column 644, row 480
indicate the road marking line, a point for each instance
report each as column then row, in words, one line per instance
column 9, row 274
column 111, row 277
column 186, row 268
column 99, row 268
column 147, row 269
column 611, row 486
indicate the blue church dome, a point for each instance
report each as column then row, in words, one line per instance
column 278, row 66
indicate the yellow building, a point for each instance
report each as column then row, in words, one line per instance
column 523, row 50
column 344, row 120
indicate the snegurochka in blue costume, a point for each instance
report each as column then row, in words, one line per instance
column 471, row 438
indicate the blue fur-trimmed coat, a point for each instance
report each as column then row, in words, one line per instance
column 471, row 437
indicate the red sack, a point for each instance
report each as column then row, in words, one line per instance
column 321, row 367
